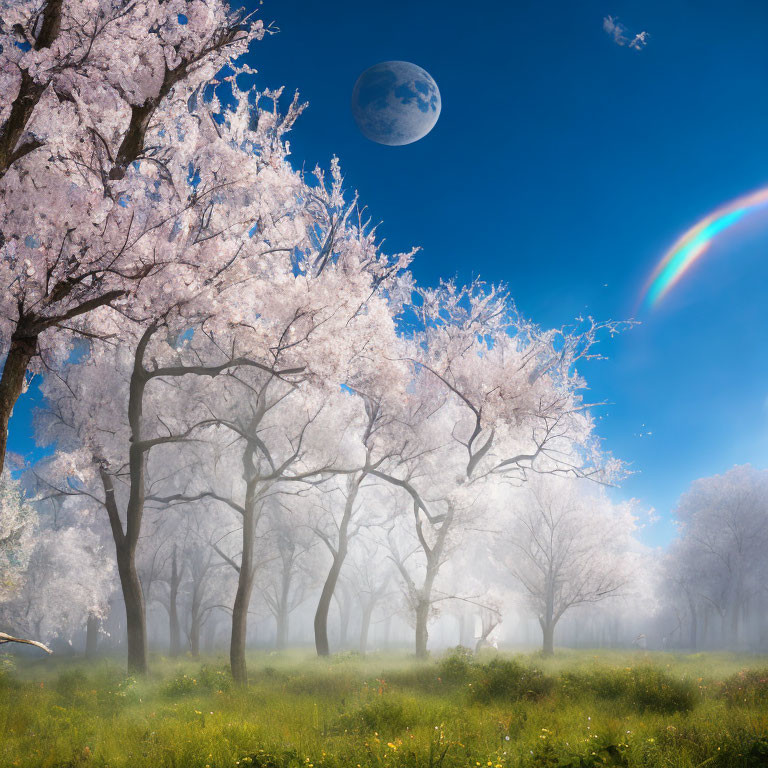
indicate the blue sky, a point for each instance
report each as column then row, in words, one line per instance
column 563, row 162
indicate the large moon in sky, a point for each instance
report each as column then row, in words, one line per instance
column 395, row 103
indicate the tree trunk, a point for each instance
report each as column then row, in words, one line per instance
column 126, row 541
column 324, row 603
column 23, row 348
column 323, row 606
column 365, row 626
column 135, row 616
column 14, row 127
column 91, row 636
column 243, row 595
column 547, row 621
column 239, row 630
column 423, row 597
column 548, row 632
column 422, row 634
column 281, row 634
column 173, row 614
column 29, row 94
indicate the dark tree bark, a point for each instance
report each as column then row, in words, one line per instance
column 135, row 613
column 422, row 629
column 24, row 342
column 29, row 95
column 127, row 539
column 133, row 597
column 244, row 589
column 23, row 348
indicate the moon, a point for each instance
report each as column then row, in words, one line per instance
column 395, row 103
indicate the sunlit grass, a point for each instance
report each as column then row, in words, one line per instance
column 578, row 709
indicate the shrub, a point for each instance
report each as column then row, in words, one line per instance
column 510, row 680
column 7, row 668
column 656, row 690
column 180, row 685
column 456, row 665
column 382, row 715
column 127, row 689
column 644, row 687
column 747, row 688
column 208, row 679
column 211, row 678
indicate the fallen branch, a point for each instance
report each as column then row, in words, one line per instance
column 8, row 639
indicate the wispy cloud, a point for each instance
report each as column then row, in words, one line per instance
column 622, row 36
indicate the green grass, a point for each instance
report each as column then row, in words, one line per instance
column 577, row 710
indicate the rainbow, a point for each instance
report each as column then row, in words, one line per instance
column 682, row 255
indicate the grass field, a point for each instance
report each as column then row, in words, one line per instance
column 577, row 710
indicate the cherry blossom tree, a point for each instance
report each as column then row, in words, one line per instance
column 244, row 334
column 284, row 434
column 101, row 119
column 493, row 398
column 69, row 579
column 18, row 521
column 567, row 545
column 353, row 502
column 208, row 584
column 285, row 283
column 285, row 586
column 718, row 561
column 372, row 574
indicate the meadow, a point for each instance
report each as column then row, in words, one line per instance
column 576, row 710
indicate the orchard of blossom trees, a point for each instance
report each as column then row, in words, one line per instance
column 256, row 421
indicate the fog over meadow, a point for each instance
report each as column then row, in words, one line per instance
column 257, row 430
